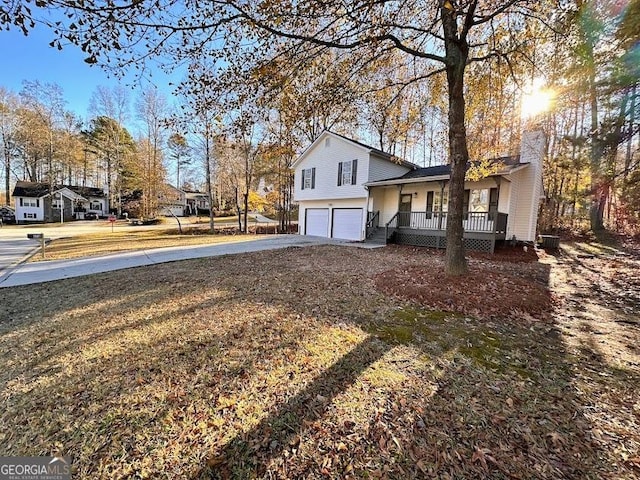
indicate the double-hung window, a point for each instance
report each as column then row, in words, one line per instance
column 347, row 172
column 308, row 178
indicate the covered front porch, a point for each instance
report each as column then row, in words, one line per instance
column 415, row 214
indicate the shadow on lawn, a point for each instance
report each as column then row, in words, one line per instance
column 489, row 399
column 500, row 410
column 505, row 406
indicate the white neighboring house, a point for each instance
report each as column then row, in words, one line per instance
column 38, row 202
column 172, row 201
column 351, row 191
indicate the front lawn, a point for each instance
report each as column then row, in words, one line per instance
column 105, row 243
column 320, row 362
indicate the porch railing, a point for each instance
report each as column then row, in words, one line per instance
column 489, row 222
column 390, row 227
column 373, row 221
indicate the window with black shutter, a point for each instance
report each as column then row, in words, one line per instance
column 465, row 204
column 493, row 203
column 429, row 204
column 348, row 173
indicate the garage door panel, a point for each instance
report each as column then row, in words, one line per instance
column 317, row 222
column 347, row 223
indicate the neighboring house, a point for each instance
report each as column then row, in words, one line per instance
column 172, row 201
column 39, row 202
column 263, row 189
column 196, row 202
column 351, row 191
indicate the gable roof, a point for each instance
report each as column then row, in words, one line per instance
column 368, row 148
column 31, row 189
column 40, row 189
column 86, row 191
column 443, row 172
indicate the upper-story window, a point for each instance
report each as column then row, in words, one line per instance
column 29, row 202
column 308, row 178
column 347, row 172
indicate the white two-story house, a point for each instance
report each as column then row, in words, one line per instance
column 329, row 185
column 39, row 202
column 348, row 190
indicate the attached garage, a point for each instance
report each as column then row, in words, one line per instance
column 174, row 210
column 347, row 223
column 317, row 222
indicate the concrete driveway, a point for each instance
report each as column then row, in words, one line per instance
column 14, row 245
column 29, row 273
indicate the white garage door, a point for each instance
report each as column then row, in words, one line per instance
column 178, row 211
column 317, row 222
column 347, row 223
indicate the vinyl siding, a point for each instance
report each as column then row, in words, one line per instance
column 504, row 199
column 527, row 184
column 21, row 210
column 325, row 160
column 385, row 200
column 526, row 208
column 380, row 169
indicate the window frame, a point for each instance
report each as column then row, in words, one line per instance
column 346, row 173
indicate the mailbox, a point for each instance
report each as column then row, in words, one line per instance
column 35, row 236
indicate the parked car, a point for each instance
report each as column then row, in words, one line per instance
column 7, row 215
column 91, row 216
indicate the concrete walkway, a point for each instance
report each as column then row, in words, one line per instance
column 38, row 272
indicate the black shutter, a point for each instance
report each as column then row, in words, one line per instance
column 339, row 173
column 354, row 172
column 303, row 170
column 313, row 177
column 465, row 204
column 429, row 204
column 38, row 202
column 493, row 203
column 20, row 201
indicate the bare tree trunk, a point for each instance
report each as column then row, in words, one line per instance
column 7, row 176
column 208, row 146
column 239, row 212
column 629, row 156
column 597, row 146
column 245, row 196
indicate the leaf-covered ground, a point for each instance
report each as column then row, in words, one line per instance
column 319, row 363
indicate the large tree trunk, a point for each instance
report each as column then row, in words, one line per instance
column 457, row 51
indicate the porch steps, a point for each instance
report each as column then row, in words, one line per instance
column 377, row 237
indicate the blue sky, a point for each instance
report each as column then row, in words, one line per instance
column 31, row 58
